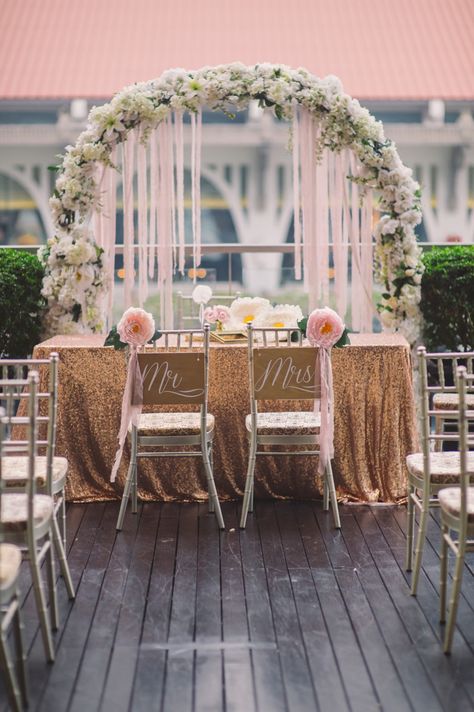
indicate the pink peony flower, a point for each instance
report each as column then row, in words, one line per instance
column 324, row 328
column 209, row 315
column 136, row 327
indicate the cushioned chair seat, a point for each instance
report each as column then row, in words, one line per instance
column 14, row 511
column 444, row 466
column 450, row 401
column 173, row 423
column 450, row 501
column 15, row 470
column 10, row 560
column 286, row 423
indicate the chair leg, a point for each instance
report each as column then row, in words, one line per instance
column 420, row 543
column 248, row 484
column 325, row 494
column 20, row 652
column 211, row 507
column 125, row 495
column 251, row 497
column 211, row 488
column 63, row 521
column 443, row 577
column 41, row 605
column 13, row 690
column 134, row 490
column 332, row 494
column 453, row 604
column 53, row 601
column 63, row 564
column 410, row 525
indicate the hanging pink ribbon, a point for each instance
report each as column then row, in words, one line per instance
column 132, row 403
column 324, row 329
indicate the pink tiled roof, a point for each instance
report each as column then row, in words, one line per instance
column 381, row 49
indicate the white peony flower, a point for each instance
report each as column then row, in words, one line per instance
column 244, row 310
column 281, row 315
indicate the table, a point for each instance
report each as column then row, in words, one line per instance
column 374, row 426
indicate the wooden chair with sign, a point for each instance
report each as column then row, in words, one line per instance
column 281, row 369
column 176, row 375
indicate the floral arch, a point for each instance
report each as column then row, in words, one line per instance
column 328, row 128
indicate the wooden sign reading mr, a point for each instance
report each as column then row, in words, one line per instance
column 286, row 373
column 172, row 378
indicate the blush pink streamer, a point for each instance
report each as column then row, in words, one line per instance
column 153, row 202
column 132, row 403
column 165, row 240
column 322, row 226
column 196, row 133
column 296, row 191
column 367, row 262
column 109, row 230
column 326, row 433
column 336, row 178
column 179, row 142
column 308, row 173
column 128, row 227
column 142, row 223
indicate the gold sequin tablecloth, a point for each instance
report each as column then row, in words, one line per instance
column 374, row 426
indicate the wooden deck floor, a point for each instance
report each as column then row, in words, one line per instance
column 291, row 615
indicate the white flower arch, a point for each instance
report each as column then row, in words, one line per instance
column 74, row 282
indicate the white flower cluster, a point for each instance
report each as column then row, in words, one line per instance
column 74, row 282
column 230, row 88
column 260, row 312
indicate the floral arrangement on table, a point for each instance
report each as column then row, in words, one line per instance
column 230, row 88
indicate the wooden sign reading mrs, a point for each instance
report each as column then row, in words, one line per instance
column 172, row 378
column 286, row 373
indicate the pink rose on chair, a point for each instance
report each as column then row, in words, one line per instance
column 136, row 327
column 324, row 328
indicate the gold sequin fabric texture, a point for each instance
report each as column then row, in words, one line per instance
column 374, row 426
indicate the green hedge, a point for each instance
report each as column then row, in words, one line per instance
column 21, row 303
column 447, row 298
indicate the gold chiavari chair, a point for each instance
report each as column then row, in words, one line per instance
column 176, row 374
column 27, row 517
column 429, row 471
column 282, row 369
column 447, row 399
column 51, row 469
column 10, row 615
column 457, row 512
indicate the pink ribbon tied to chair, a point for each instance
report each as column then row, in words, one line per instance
column 135, row 328
column 324, row 329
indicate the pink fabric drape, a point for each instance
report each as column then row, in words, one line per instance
column 179, row 141
column 153, row 203
column 131, row 406
column 143, row 239
column 296, row 190
column 165, row 230
column 326, row 433
column 196, row 138
column 128, row 226
column 336, row 178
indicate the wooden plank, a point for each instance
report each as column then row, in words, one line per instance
column 179, row 677
column 267, row 672
column 99, row 645
column 411, row 671
column 238, row 673
column 150, row 670
column 296, row 673
column 209, row 670
column 440, row 668
column 121, row 673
